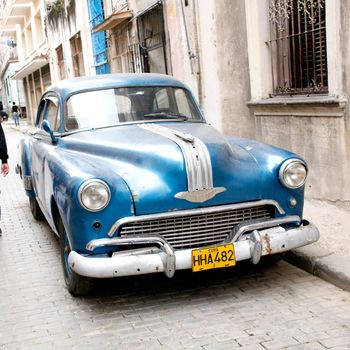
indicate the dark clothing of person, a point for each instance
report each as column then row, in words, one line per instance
column 3, row 146
column 14, row 108
column 3, row 154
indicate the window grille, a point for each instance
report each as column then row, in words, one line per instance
column 151, row 29
column 298, row 46
column 135, row 59
column 147, row 54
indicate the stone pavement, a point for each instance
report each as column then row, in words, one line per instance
column 280, row 307
column 329, row 258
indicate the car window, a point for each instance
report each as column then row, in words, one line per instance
column 124, row 108
column 41, row 109
column 182, row 102
column 101, row 108
column 91, row 109
column 51, row 112
column 161, row 100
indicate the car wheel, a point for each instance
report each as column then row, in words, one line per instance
column 35, row 209
column 76, row 284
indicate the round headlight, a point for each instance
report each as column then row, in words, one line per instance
column 94, row 195
column 293, row 173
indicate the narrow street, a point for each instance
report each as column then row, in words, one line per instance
column 248, row 308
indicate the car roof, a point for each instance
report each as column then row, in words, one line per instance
column 107, row 81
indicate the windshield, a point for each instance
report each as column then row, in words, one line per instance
column 101, row 108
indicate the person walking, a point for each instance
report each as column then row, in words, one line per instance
column 3, row 156
column 15, row 115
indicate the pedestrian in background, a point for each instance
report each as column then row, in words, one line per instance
column 15, row 114
column 3, row 156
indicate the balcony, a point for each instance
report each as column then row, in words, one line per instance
column 7, row 57
column 14, row 12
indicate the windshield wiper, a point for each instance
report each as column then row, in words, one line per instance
column 166, row 115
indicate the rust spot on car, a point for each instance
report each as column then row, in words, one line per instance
column 267, row 245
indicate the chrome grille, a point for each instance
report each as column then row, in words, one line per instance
column 195, row 231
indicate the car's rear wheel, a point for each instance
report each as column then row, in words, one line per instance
column 76, row 284
column 35, row 209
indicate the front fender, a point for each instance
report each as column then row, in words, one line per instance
column 68, row 173
column 270, row 159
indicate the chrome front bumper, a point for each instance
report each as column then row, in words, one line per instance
column 251, row 241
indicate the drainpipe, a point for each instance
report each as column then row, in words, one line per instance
column 192, row 56
column 198, row 50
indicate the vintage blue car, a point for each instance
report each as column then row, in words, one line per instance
column 133, row 180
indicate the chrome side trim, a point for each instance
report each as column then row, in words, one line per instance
column 27, row 181
column 197, row 160
column 178, row 213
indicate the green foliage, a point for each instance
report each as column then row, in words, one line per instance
column 60, row 11
column 56, row 7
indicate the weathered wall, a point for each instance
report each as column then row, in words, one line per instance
column 208, row 57
column 321, row 141
column 180, row 65
column 222, row 71
column 345, row 39
column 233, row 68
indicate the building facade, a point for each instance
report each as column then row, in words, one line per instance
column 23, row 21
column 11, row 90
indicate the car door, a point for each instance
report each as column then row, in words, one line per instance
column 41, row 147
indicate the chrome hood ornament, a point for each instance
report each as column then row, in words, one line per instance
column 198, row 164
column 200, row 196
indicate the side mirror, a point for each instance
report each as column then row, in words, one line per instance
column 47, row 127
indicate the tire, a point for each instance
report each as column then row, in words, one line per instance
column 76, row 284
column 35, row 209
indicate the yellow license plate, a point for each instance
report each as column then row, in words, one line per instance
column 213, row 258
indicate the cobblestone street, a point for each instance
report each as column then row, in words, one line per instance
column 247, row 308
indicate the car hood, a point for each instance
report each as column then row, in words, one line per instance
column 154, row 167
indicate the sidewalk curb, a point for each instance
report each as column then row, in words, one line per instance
column 328, row 266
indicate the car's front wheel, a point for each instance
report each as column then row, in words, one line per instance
column 35, row 209
column 76, row 284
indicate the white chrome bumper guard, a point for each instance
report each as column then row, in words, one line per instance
column 251, row 241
